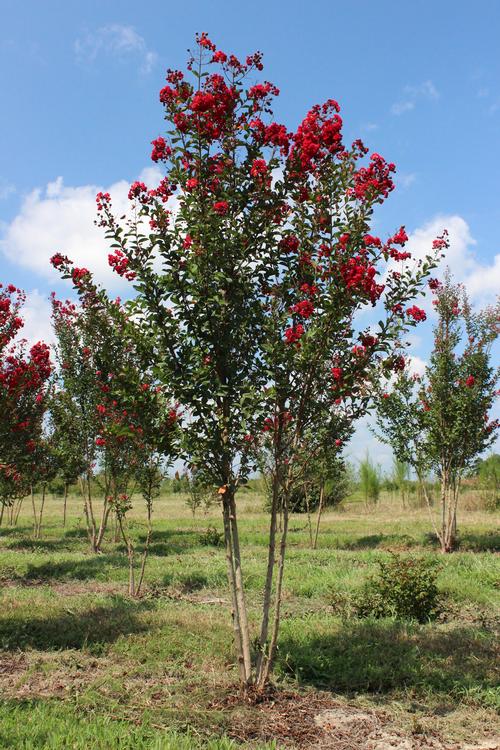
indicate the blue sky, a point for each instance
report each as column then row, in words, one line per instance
column 419, row 82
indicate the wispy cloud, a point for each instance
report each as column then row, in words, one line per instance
column 117, row 41
column 6, row 189
column 412, row 95
column 405, row 180
column 369, row 126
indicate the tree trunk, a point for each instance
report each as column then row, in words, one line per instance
column 267, row 661
column 268, row 587
column 65, row 503
column 243, row 658
column 240, row 593
column 16, row 508
column 308, row 509
column 320, row 511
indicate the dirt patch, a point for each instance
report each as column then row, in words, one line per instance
column 67, row 588
column 315, row 721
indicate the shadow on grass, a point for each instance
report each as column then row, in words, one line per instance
column 15, row 530
column 379, row 656
column 93, row 628
column 92, row 567
column 380, row 541
column 164, row 543
column 469, row 541
column 488, row 541
column 44, row 545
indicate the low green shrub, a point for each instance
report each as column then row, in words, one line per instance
column 404, row 588
column 212, row 537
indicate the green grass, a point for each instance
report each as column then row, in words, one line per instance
column 150, row 673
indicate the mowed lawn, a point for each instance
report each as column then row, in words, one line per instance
column 83, row 666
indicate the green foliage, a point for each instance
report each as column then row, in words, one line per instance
column 200, row 492
column 212, row 537
column 488, row 472
column 337, row 486
column 405, row 588
column 370, row 480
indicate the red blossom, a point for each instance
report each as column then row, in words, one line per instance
column 294, row 334
column 161, row 151
column 221, row 207
column 304, row 308
column 374, row 182
column 416, row 313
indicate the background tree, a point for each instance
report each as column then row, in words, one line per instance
column 488, row 473
column 440, row 423
column 370, row 480
column 24, row 377
column 67, row 442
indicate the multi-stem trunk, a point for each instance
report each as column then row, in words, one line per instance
column 95, row 533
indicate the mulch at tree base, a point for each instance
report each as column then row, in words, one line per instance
column 315, row 721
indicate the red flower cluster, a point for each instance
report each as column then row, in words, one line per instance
column 259, row 169
column 58, row 260
column 374, row 182
column 161, row 151
column 317, row 137
column 102, row 200
column 359, row 276
column 273, row 135
column 78, row 274
column 304, row 308
column 120, row 263
column 289, row 244
column 137, row 190
column 221, row 207
column 416, row 313
column 470, row 381
column 212, row 108
column 294, row 334
column 337, row 374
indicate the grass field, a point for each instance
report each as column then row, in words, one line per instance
column 83, row 666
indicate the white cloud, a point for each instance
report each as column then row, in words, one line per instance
column 118, row 41
column 61, row 219
column 36, row 315
column 481, row 278
column 412, row 94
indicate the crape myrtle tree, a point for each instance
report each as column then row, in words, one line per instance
column 439, row 422
column 120, row 423
column 251, row 261
column 24, row 380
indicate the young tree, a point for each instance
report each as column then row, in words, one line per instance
column 440, row 423
column 251, row 261
column 24, row 376
column 369, row 480
column 400, row 478
column 66, row 438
